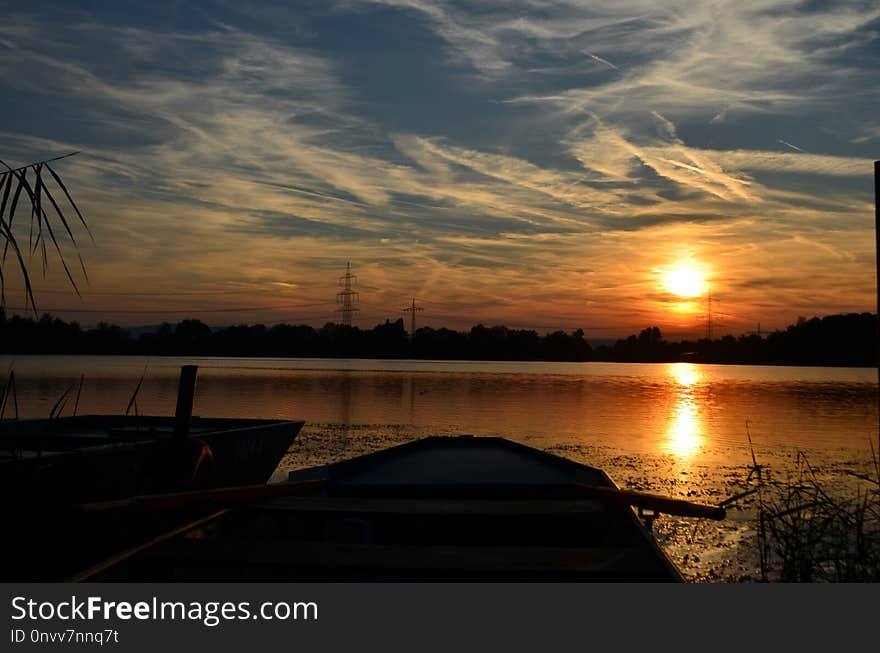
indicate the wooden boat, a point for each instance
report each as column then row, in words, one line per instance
column 102, row 457
column 50, row 466
column 59, row 461
column 442, row 508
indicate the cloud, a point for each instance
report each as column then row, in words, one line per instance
column 558, row 153
column 666, row 128
column 871, row 133
column 790, row 146
column 596, row 57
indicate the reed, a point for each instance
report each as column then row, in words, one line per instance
column 8, row 393
column 50, row 225
column 808, row 532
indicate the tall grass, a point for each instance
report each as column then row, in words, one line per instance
column 48, row 228
column 813, row 529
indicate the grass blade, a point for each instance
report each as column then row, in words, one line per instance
column 6, row 182
column 51, row 233
column 70, row 199
column 137, row 389
column 9, row 391
column 66, row 225
column 14, row 182
column 10, row 239
column 78, row 393
column 36, row 200
column 59, row 405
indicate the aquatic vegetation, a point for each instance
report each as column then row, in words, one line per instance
column 808, row 532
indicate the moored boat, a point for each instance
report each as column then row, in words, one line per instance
column 442, row 508
column 102, row 457
column 49, row 466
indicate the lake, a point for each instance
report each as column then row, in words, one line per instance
column 682, row 429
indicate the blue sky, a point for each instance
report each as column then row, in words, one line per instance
column 536, row 163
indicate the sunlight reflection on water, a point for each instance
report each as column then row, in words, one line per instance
column 694, row 413
column 684, row 433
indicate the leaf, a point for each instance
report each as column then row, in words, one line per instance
column 60, row 255
column 70, row 199
column 61, row 217
column 24, row 271
column 36, row 199
column 2, row 286
column 6, row 181
column 40, row 229
column 67, row 228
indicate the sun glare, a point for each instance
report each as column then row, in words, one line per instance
column 684, row 432
column 685, row 374
column 685, row 281
column 684, row 435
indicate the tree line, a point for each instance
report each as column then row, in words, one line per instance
column 846, row 339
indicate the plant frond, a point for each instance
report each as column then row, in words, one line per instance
column 45, row 231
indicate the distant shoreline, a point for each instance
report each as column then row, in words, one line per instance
column 435, row 360
column 843, row 340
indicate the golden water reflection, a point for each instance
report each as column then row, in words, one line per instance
column 685, row 431
column 691, row 414
column 685, row 375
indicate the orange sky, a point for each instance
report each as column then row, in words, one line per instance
column 506, row 166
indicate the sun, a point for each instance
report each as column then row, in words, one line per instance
column 685, row 280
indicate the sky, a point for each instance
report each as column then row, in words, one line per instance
column 545, row 164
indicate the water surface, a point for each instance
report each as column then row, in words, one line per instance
column 681, row 429
column 692, row 412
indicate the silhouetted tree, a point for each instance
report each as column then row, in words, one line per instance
column 833, row 340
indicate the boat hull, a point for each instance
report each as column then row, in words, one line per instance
column 98, row 457
column 52, row 466
column 438, row 509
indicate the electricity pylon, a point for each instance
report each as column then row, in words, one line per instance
column 347, row 297
column 709, row 317
column 412, row 318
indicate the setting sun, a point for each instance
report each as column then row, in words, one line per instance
column 685, row 281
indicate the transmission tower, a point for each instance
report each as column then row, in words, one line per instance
column 709, row 316
column 347, row 297
column 412, row 318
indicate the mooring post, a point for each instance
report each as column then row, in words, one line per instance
column 877, row 259
column 185, row 393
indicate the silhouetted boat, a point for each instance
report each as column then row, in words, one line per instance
column 441, row 508
column 95, row 457
column 49, row 466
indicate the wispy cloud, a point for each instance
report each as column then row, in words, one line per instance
column 562, row 152
column 596, row 57
column 790, row 146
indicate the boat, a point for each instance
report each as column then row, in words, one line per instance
column 103, row 457
column 70, row 460
column 51, row 466
column 458, row 508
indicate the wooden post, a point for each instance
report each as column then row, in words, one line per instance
column 877, row 257
column 185, row 393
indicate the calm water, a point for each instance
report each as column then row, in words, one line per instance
column 694, row 413
column 681, row 429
